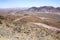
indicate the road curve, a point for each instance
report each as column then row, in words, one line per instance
column 20, row 18
column 47, row 26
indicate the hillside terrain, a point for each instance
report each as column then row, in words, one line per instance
column 45, row 9
column 35, row 23
column 25, row 28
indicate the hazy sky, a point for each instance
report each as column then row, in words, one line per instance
column 28, row 3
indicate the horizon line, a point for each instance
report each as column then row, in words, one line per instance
column 27, row 7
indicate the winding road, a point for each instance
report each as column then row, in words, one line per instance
column 48, row 26
column 40, row 24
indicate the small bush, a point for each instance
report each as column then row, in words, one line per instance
column 17, row 29
column 1, row 17
column 0, row 22
column 26, row 14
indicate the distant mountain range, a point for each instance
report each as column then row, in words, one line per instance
column 45, row 9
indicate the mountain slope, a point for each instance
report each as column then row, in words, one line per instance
column 25, row 29
column 45, row 9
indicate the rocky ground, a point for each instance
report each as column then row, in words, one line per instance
column 25, row 30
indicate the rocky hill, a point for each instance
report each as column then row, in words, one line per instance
column 24, row 28
column 45, row 9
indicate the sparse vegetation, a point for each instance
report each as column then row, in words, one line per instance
column 24, row 28
column 26, row 14
column 17, row 29
column 0, row 22
column 1, row 17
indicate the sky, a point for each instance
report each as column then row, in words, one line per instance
column 28, row 3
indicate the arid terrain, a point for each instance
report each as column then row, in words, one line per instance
column 41, row 23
